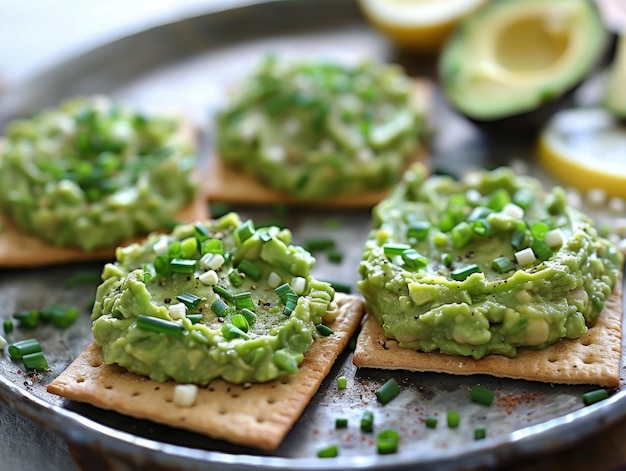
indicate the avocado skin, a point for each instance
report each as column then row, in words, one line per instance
column 533, row 118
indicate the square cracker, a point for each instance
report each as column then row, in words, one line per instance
column 592, row 359
column 258, row 415
column 226, row 184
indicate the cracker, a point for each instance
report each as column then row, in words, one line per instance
column 226, row 184
column 257, row 416
column 592, row 359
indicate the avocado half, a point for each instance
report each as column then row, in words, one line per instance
column 615, row 93
column 512, row 57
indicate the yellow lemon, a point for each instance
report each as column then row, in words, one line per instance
column 586, row 149
column 419, row 25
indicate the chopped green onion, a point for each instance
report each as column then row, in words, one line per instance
column 342, row 382
column 220, row 209
column 339, row 286
column 189, row 300
column 223, row 292
column 188, row 247
column 195, row 318
column 60, row 316
column 7, row 325
column 497, row 199
column 446, row 259
column 35, row 361
column 388, row 391
column 183, row 265
column 479, row 212
column 215, row 246
column 201, row 232
column 431, row 422
column 518, row 239
column 391, row 249
column 482, row 396
column 162, row 326
column 290, row 304
column 324, row 330
column 462, row 273
column 341, row 422
column 315, row 245
column 249, row 315
column 387, row 442
column 282, row 291
column 539, row 229
column 329, row 451
column 481, row 227
column 28, row 318
column 230, row 332
column 461, row 234
column 453, row 418
column 83, row 278
column 541, row 249
column 264, row 235
column 244, row 300
column 413, row 259
column 162, row 265
column 480, row 433
column 334, row 255
column 367, row 421
column 523, row 197
column 240, row 322
column 597, row 395
column 220, row 308
column 352, row 344
column 250, row 269
column 418, row 230
column 502, row 264
column 24, row 347
column 244, row 232
column 174, row 250
column 235, row 278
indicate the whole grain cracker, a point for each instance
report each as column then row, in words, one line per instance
column 257, row 415
column 592, row 359
column 225, row 184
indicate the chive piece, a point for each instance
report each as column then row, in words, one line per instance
column 418, row 230
column 523, row 197
column 391, row 249
column 220, row 209
column 479, row 212
column 502, row 265
column 431, row 422
column 342, row 382
column 329, row 451
column 290, row 304
column 481, row 227
column 518, row 239
column 334, row 255
column 352, row 344
column 388, row 391
column 316, row 245
column 387, row 442
column 220, row 308
column 244, row 300
column 162, row 265
column 223, row 292
column 461, row 234
column 339, row 286
column 183, row 265
column 264, row 235
column 413, row 259
column 83, row 278
column 28, row 318
column 497, row 199
column 230, row 332
column 249, row 315
column 188, row 247
column 341, row 422
column 250, row 269
column 453, row 418
column 482, row 396
column 367, row 421
column 462, row 273
column 282, row 291
column 446, row 259
column 480, row 433
column 541, row 249
column 597, row 395
column 201, row 232
column 324, row 330
column 162, row 326
column 174, row 250
column 24, row 347
column 539, row 229
column 240, row 322
column 35, row 361
column 189, row 300
column 7, row 325
column 244, row 232
column 60, row 316
column 215, row 246
column 235, row 278
column 195, row 318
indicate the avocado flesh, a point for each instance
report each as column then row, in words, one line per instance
column 615, row 97
column 514, row 56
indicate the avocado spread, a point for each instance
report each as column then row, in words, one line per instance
column 483, row 265
column 316, row 129
column 93, row 172
column 213, row 299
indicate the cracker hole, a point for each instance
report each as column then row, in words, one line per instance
column 211, row 389
column 260, row 420
column 285, row 380
column 271, row 400
column 586, row 342
column 80, row 379
column 235, row 395
column 108, row 386
column 222, row 411
column 135, row 394
column 553, row 359
column 95, row 363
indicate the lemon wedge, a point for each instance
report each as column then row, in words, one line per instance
column 586, row 149
column 419, row 25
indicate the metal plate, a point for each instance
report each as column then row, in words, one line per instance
column 190, row 64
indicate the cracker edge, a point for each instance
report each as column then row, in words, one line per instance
column 87, row 379
column 564, row 362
